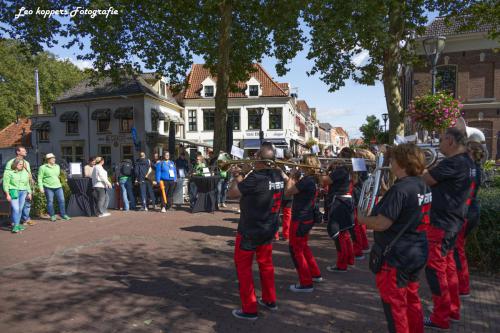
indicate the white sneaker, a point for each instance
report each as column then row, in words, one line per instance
column 145, row 209
column 224, row 205
column 317, row 279
column 163, row 210
column 106, row 214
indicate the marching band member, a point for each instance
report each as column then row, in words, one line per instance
column 395, row 221
column 340, row 213
column 286, row 206
column 304, row 193
column 450, row 181
column 360, row 240
column 260, row 191
column 476, row 152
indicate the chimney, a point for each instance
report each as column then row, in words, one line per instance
column 38, row 106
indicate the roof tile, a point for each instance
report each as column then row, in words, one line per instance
column 11, row 135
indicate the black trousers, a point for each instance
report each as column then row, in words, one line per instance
column 169, row 192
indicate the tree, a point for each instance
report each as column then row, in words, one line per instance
column 18, row 84
column 341, row 30
column 370, row 129
column 229, row 35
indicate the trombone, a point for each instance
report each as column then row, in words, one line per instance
column 274, row 164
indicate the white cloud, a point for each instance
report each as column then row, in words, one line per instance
column 361, row 58
column 328, row 114
column 82, row 64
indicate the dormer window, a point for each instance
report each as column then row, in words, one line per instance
column 208, row 91
column 253, row 90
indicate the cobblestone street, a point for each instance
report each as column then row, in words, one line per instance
column 152, row 272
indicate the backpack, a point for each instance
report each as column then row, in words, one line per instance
column 126, row 169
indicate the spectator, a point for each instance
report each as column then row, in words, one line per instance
column 142, row 170
column 327, row 153
column 101, row 185
column 21, row 154
column 197, row 171
column 87, row 170
column 222, row 186
column 166, row 172
column 182, row 164
column 16, row 185
column 124, row 173
column 48, row 182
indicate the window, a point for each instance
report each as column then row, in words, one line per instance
column 105, row 152
column 192, row 120
column 43, row 135
column 253, row 119
column 233, row 115
column 209, row 91
column 103, row 125
column 253, row 90
column 126, row 125
column 166, row 126
column 72, row 127
column 275, row 118
column 155, row 122
column 163, row 88
column 208, row 119
column 72, row 152
column 127, row 152
column 446, row 79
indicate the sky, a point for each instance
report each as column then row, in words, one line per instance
column 347, row 107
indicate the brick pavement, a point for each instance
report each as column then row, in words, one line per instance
column 152, row 272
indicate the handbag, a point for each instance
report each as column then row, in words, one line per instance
column 14, row 194
column 378, row 253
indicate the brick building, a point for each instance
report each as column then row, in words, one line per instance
column 469, row 67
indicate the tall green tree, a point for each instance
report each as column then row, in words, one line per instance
column 341, row 30
column 370, row 129
column 230, row 35
column 17, row 87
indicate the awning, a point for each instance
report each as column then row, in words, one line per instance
column 278, row 142
column 69, row 116
column 155, row 114
column 251, row 144
column 124, row 113
column 41, row 125
column 171, row 115
column 101, row 114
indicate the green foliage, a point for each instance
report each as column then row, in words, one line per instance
column 18, row 89
column 434, row 112
column 370, row 129
column 311, row 142
column 489, row 165
column 483, row 244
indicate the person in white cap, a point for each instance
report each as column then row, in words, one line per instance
column 49, row 183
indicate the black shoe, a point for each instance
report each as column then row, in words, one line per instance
column 242, row 315
column 297, row 288
column 335, row 269
column 270, row 306
column 429, row 324
column 359, row 257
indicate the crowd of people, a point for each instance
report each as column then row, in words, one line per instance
column 420, row 224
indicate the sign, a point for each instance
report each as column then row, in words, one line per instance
column 280, row 153
column 75, row 169
column 315, row 149
column 358, row 164
column 237, row 152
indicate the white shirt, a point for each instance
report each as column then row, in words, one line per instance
column 100, row 177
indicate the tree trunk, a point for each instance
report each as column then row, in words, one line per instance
column 223, row 72
column 390, row 76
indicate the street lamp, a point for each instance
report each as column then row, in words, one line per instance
column 433, row 46
column 385, row 117
column 260, row 113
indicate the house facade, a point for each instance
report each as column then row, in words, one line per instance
column 259, row 95
column 115, row 121
column 469, row 68
column 12, row 136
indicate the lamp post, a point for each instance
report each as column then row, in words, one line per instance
column 433, row 46
column 385, row 117
column 260, row 113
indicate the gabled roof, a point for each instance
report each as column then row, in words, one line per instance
column 198, row 74
column 356, row 142
column 326, row 126
column 341, row 131
column 439, row 27
column 130, row 85
column 11, row 135
column 303, row 107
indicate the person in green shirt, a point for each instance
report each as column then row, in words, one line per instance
column 21, row 154
column 16, row 185
column 49, row 183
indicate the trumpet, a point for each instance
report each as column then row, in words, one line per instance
column 273, row 164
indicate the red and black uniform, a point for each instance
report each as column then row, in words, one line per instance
column 360, row 240
column 286, row 206
column 454, row 176
column 302, row 222
column 471, row 221
column 341, row 216
column 260, row 202
column 405, row 203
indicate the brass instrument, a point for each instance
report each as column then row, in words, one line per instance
column 226, row 165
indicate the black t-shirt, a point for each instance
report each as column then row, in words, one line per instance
column 340, row 181
column 303, row 202
column 405, row 202
column 260, row 202
column 454, row 176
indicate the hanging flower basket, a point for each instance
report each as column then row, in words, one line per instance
column 435, row 112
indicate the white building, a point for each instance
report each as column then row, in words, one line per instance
column 259, row 93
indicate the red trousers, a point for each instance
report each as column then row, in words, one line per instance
column 345, row 252
column 402, row 306
column 302, row 257
column 243, row 260
column 461, row 262
column 287, row 219
column 360, row 243
column 442, row 277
